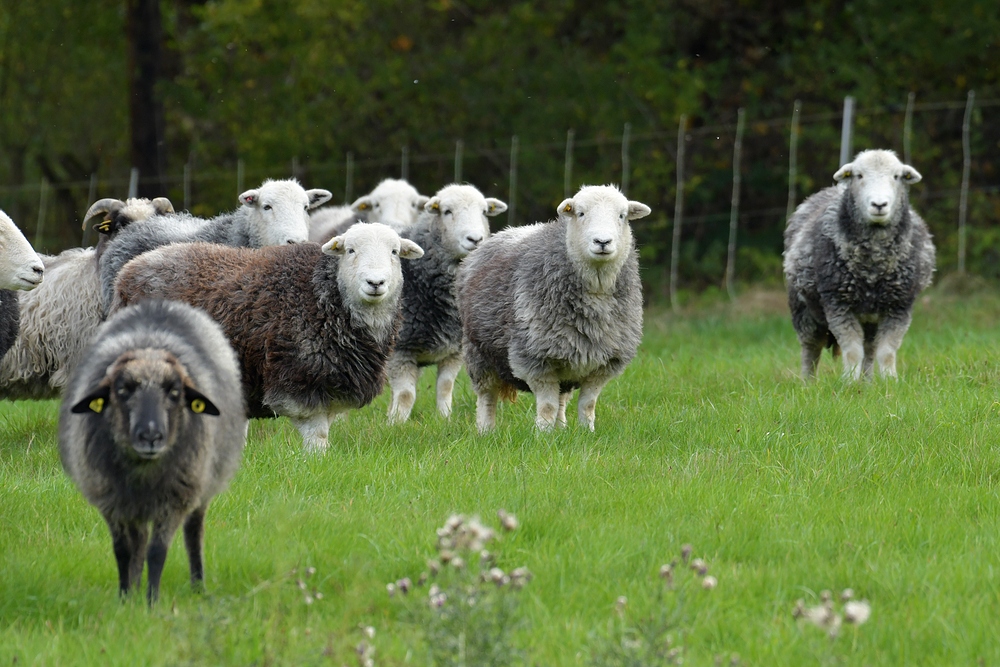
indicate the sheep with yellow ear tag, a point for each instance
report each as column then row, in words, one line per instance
column 151, row 428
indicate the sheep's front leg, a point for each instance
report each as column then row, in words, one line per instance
column 547, row 402
column 888, row 339
column 587, row 403
column 194, row 535
column 315, row 430
column 129, row 544
column 563, row 402
column 163, row 534
column 403, row 374
column 811, row 351
column 851, row 338
column 486, row 407
column 447, row 372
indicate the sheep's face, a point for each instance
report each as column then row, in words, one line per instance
column 20, row 267
column 369, row 271
column 280, row 211
column 597, row 223
column 877, row 181
column 393, row 202
column 460, row 215
column 145, row 396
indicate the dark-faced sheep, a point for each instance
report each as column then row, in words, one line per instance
column 393, row 202
column 554, row 306
column 58, row 319
column 276, row 213
column 312, row 327
column 856, row 257
column 453, row 224
column 152, row 426
column 20, row 269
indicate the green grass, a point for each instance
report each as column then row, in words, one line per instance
column 786, row 489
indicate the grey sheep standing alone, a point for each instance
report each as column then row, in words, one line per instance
column 151, row 427
column 856, row 257
column 554, row 306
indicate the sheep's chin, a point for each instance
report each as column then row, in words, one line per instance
column 372, row 298
column 878, row 220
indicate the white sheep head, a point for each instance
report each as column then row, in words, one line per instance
column 597, row 224
column 459, row 214
column 279, row 211
column 20, row 267
column 146, row 397
column 393, row 202
column 369, row 271
column 878, row 184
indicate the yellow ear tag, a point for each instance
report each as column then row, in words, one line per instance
column 197, row 406
column 103, row 226
column 97, row 405
column 569, row 207
column 492, row 208
column 435, row 207
column 363, row 207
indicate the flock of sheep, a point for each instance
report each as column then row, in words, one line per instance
column 173, row 331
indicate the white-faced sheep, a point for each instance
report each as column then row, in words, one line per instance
column 554, row 306
column 312, row 327
column 277, row 213
column 59, row 318
column 856, row 257
column 453, row 224
column 20, row 269
column 393, row 202
column 152, row 426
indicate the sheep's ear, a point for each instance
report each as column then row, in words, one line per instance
column 335, row 246
column 95, row 399
column 362, row 204
column 843, row 172
column 433, row 205
column 410, row 250
column 318, row 197
column 494, row 206
column 250, row 198
column 637, row 210
column 162, row 206
column 566, row 208
column 911, row 175
column 198, row 403
column 422, row 201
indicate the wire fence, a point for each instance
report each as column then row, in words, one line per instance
column 720, row 191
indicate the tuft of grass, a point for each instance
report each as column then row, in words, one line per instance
column 710, row 438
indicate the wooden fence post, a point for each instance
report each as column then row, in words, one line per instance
column 734, row 211
column 963, row 200
column 675, row 246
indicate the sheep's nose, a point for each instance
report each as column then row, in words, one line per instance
column 879, row 205
column 604, row 243
column 474, row 240
column 291, row 241
column 376, row 283
column 150, row 437
column 39, row 270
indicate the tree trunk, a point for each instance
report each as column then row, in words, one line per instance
column 145, row 50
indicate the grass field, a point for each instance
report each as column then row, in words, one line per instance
column 709, row 438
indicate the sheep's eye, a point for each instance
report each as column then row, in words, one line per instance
column 350, row 251
column 395, row 252
column 447, row 211
column 267, row 207
column 860, row 176
column 579, row 214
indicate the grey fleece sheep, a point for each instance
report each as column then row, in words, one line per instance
column 856, row 257
column 453, row 224
column 313, row 327
column 553, row 306
column 274, row 214
column 152, row 426
column 58, row 319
